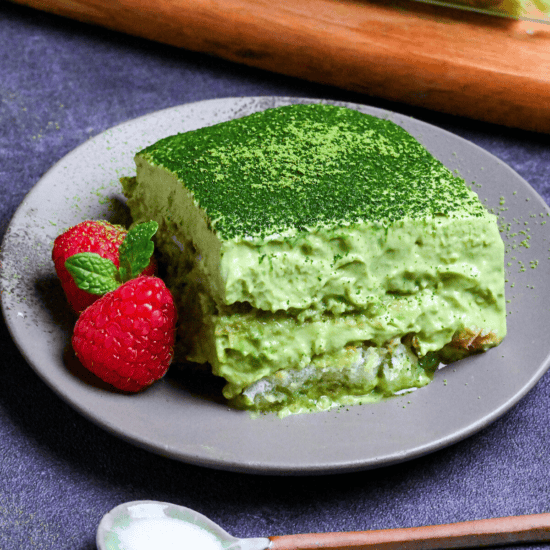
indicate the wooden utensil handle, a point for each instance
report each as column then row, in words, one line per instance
column 459, row 62
column 486, row 532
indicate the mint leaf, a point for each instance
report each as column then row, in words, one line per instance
column 93, row 273
column 136, row 250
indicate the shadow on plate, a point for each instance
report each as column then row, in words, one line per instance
column 198, row 380
column 77, row 369
column 49, row 291
column 189, row 377
column 119, row 213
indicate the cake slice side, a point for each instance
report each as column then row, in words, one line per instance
column 398, row 255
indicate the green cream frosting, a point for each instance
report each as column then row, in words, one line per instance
column 297, row 233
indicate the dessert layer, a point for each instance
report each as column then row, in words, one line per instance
column 335, row 269
column 289, row 208
column 247, row 345
column 301, row 166
column 353, row 375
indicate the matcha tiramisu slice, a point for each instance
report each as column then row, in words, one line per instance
column 319, row 255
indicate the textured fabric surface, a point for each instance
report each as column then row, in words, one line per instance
column 63, row 82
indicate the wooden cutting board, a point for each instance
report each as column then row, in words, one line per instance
column 458, row 62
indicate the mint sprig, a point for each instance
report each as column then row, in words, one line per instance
column 97, row 275
column 136, row 250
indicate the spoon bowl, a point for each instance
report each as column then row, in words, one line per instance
column 140, row 524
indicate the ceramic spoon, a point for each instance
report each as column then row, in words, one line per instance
column 146, row 524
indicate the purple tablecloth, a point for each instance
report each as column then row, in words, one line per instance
column 62, row 82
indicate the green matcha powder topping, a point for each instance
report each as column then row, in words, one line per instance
column 303, row 166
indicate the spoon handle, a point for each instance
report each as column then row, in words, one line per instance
column 484, row 532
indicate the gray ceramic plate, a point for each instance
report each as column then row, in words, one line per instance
column 179, row 417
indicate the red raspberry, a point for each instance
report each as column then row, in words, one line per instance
column 100, row 237
column 126, row 337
